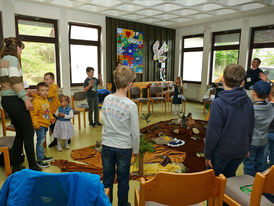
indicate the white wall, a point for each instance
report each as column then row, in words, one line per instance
column 11, row 7
column 194, row 91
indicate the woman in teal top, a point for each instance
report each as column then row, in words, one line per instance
column 16, row 102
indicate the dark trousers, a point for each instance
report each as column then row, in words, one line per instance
column 227, row 167
column 93, row 104
column 21, row 119
column 120, row 158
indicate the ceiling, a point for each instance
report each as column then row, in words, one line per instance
column 169, row 13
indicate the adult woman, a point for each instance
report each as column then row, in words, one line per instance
column 16, row 102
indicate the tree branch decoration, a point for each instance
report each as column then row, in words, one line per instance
column 145, row 146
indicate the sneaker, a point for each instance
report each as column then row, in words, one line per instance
column 59, row 148
column 18, row 168
column 92, row 124
column 43, row 163
column 98, row 123
column 67, row 146
column 53, row 143
column 36, row 168
column 47, row 159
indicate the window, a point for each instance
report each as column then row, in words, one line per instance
column 192, row 58
column 84, row 42
column 262, row 47
column 225, row 51
column 1, row 31
column 40, row 55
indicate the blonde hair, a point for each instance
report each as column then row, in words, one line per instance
column 123, row 76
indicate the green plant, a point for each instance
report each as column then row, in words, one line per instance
column 145, row 146
column 146, row 117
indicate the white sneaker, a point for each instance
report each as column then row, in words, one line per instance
column 59, row 148
column 66, row 145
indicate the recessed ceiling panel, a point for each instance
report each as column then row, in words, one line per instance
column 147, row 3
column 166, row 16
column 190, row 2
column 247, row 7
column 128, row 7
column 168, row 7
column 201, row 16
column 88, row 7
column 235, row 2
column 185, row 12
column 180, row 20
column 224, row 11
column 108, row 3
column 148, row 12
column 112, row 12
column 208, row 7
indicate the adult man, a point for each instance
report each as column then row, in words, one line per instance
column 254, row 74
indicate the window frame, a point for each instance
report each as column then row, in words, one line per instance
column 86, row 43
column 253, row 45
column 192, row 49
column 1, row 30
column 222, row 47
column 41, row 39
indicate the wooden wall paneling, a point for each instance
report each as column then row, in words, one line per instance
column 151, row 34
column 151, row 62
column 170, row 54
column 158, row 36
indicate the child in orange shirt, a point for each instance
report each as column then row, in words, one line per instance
column 41, row 119
column 53, row 100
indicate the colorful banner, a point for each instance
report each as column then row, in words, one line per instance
column 130, row 49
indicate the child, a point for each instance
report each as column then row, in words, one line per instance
column 90, row 87
column 269, row 149
column 53, row 99
column 63, row 128
column 230, row 124
column 41, row 119
column 178, row 95
column 120, row 134
column 264, row 114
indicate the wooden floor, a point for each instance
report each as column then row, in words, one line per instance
column 88, row 136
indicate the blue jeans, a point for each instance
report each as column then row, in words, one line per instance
column 269, row 151
column 255, row 162
column 120, row 158
column 41, row 135
column 227, row 167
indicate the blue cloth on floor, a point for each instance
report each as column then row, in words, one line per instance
column 29, row 187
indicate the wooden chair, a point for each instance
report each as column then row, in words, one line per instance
column 209, row 99
column 6, row 143
column 155, row 94
column 5, row 127
column 181, row 189
column 136, row 95
column 262, row 183
column 79, row 96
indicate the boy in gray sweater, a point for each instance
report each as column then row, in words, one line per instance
column 264, row 113
column 120, row 134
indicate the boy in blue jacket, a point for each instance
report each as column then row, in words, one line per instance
column 264, row 114
column 230, row 125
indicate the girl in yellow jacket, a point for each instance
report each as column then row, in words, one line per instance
column 41, row 119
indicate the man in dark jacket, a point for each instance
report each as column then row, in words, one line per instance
column 230, row 125
column 254, row 74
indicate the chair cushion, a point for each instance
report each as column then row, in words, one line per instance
column 6, row 141
column 158, row 98
column 141, row 99
column 76, row 112
column 151, row 203
column 233, row 190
